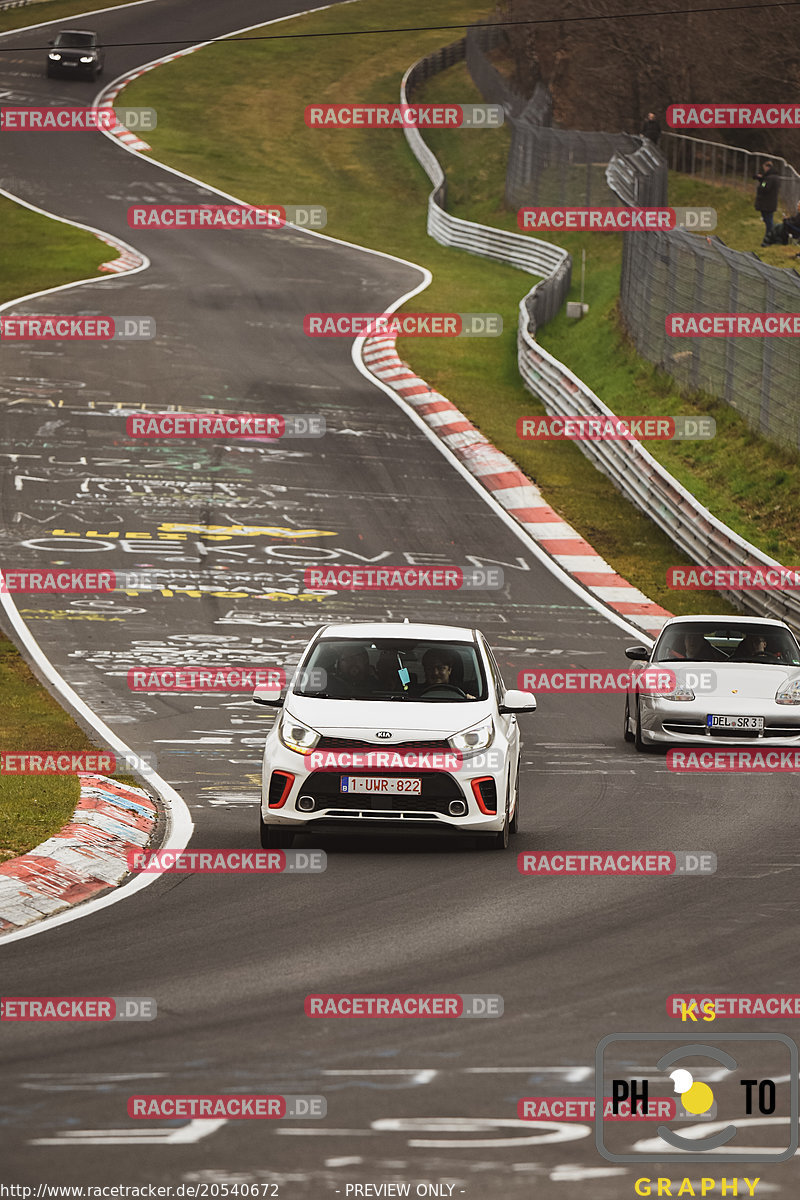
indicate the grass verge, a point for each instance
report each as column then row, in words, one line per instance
column 32, row 807
column 257, row 146
column 37, row 253
column 50, row 10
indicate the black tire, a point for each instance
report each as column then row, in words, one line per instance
column 627, row 734
column 274, row 837
column 499, row 840
column 514, row 825
column 642, row 746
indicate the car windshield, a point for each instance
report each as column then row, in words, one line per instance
column 75, row 41
column 727, row 643
column 393, row 669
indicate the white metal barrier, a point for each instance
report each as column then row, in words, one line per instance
column 696, row 531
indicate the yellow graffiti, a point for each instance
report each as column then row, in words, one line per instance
column 280, row 531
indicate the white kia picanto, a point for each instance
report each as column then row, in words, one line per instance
column 401, row 725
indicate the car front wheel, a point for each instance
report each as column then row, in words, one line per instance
column 275, row 837
column 627, row 727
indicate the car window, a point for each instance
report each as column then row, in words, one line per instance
column 75, row 41
column 419, row 670
column 499, row 685
column 704, row 642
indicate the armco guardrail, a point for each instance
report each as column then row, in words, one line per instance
column 529, row 254
column 634, row 471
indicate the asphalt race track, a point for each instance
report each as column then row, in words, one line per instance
column 230, row 958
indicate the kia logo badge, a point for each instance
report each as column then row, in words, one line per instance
column 383, row 734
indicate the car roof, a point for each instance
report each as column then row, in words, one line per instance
column 725, row 619
column 399, row 629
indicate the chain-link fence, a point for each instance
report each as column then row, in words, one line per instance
column 728, row 166
column 672, row 271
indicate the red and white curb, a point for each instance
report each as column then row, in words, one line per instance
column 127, row 261
column 87, row 856
column 517, row 494
column 118, row 130
column 108, row 96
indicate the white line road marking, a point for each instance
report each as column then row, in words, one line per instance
column 193, row 1132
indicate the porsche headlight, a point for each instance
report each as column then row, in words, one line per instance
column 55, row 57
column 477, row 737
column 789, row 693
column 297, row 736
column 679, row 692
column 87, row 58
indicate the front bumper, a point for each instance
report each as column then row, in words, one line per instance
column 683, row 723
column 332, row 806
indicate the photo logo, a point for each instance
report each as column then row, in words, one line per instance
column 228, row 862
column 77, row 1008
column 739, row 1087
column 658, row 681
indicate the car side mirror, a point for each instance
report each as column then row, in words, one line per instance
column 52, row 42
column 518, row 702
column 637, row 652
column 273, row 697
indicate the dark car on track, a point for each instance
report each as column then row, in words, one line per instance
column 75, row 52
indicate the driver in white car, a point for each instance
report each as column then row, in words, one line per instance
column 438, row 665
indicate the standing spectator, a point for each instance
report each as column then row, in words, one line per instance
column 766, row 201
column 651, row 129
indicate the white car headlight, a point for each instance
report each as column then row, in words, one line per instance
column 87, row 58
column 789, row 693
column 679, row 692
column 57, row 57
column 297, row 736
column 477, row 737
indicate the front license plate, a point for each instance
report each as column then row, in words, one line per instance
column 754, row 724
column 377, row 785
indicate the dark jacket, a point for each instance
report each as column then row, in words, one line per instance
column 652, row 130
column 767, row 191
